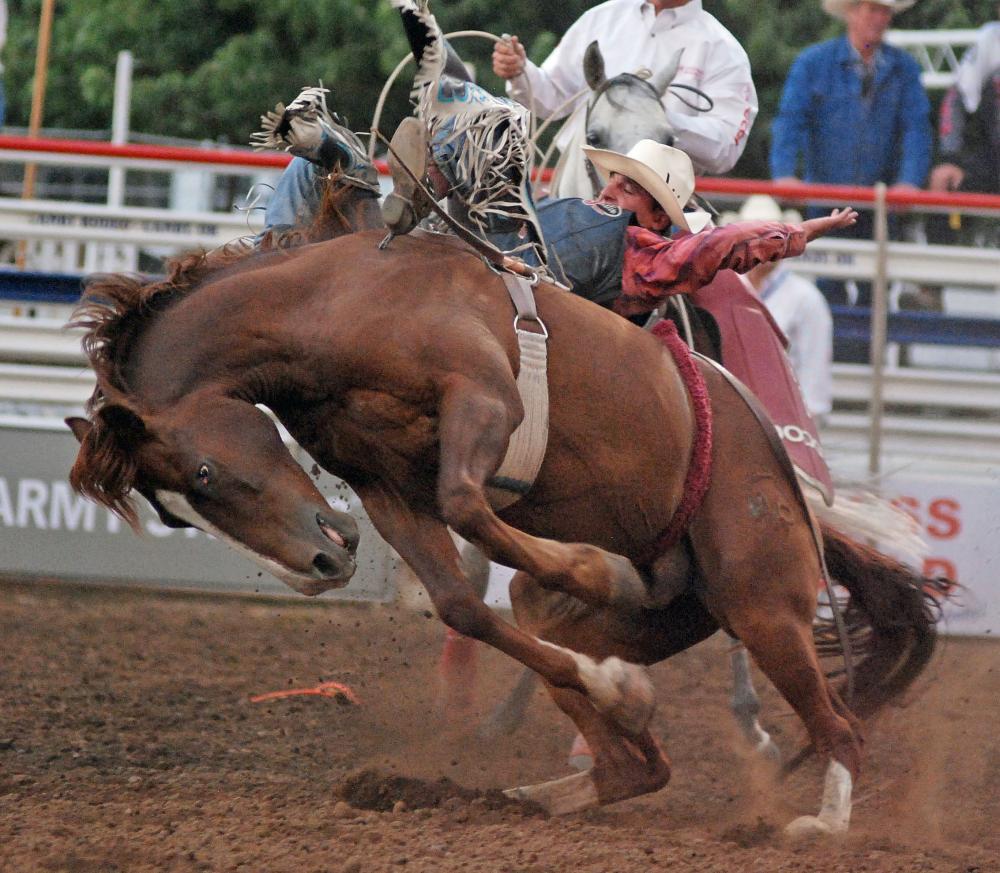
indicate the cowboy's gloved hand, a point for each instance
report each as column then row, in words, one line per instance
column 305, row 135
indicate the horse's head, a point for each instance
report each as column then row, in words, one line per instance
column 218, row 464
column 626, row 108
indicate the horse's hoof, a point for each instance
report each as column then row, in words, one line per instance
column 625, row 586
column 621, row 691
column 767, row 750
column 560, row 796
column 807, row 827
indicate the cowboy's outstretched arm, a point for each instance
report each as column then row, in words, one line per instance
column 656, row 267
column 816, row 227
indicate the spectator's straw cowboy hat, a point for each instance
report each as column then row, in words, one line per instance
column 665, row 172
column 761, row 207
column 837, row 8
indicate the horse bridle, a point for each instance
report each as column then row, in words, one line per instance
column 607, row 83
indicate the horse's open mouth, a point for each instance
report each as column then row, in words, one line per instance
column 331, row 533
column 347, row 540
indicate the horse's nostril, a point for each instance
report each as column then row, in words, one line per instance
column 326, row 565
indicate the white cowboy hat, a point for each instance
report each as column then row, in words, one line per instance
column 665, row 172
column 837, row 8
column 761, row 207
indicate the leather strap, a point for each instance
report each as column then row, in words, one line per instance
column 526, row 449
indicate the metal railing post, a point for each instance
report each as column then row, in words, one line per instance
column 120, row 124
column 879, row 325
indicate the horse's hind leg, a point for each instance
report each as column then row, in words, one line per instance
column 783, row 649
column 745, row 705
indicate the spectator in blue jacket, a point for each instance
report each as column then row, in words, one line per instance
column 854, row 112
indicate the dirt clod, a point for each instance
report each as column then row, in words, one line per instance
column 370, row 789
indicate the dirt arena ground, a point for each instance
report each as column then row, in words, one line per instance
column 128, row 742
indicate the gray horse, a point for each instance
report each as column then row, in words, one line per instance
column 618, row 113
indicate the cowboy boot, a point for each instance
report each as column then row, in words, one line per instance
column 406, row 205
column 307, row 129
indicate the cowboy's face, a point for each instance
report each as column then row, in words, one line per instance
column 631, row 196
column 867, row 22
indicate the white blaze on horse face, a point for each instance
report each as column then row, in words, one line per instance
column 617, row 688
column 177, row 504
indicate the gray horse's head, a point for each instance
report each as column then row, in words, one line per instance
column 626, row 108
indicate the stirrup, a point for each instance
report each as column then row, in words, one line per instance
column 405, row 207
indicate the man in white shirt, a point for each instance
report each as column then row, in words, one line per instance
column 635, row 34
column 798, row 307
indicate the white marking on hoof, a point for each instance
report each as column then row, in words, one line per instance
column 580, row 756
column 807, row 827
column 560, row 796
column 835, row 813
column 620, row 690
column 767, row 749
column 837, row 788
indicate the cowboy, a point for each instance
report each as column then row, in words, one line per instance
column 654, row 183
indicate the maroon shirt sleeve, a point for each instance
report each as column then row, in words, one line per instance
column 656, row 267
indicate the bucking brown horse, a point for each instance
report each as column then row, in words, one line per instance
column 396, row 370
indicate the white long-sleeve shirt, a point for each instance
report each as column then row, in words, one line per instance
column 802, row 313
column 632, row 36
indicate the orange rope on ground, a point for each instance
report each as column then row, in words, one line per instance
column 325, row 689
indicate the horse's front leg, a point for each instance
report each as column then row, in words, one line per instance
column 620, row 690
column 476, row 421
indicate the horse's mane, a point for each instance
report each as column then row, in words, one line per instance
column 117, row 308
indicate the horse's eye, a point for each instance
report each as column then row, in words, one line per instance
column 204, row 474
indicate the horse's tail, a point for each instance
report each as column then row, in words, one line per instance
column 893, row 612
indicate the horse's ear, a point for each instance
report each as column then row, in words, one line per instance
column 661, row 80
column 593, row 66
column 80, row 427
column 124, row 422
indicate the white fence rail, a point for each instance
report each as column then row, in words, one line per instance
column 930, row 413
column 87, row 238
column 938, row 52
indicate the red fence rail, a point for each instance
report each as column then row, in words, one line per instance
column 963, row 202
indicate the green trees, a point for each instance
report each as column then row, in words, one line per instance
column 207, row 68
